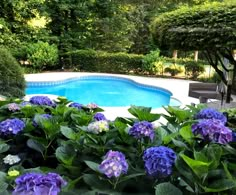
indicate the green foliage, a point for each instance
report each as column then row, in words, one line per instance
column 152, row 62
column 64, row 145
column 173, row 69
column 12, row 82
column 231, row 113
column 193, row 69
column 90, row 60
column 199, row 27
column 168, row 189
column 209, row 27
column 41, row 55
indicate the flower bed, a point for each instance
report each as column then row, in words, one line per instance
column 59, row 147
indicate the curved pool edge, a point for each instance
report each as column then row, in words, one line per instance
column 84, row 77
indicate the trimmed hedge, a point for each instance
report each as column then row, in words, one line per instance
column 99, row 61
column 12, row 82
column 199, row 27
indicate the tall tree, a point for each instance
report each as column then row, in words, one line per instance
column 210, row 28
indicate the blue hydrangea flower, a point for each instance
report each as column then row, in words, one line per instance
column 45, row 116
column 98, row 127
column 42, row 101
column 38, row 184
column 76, row 105
column 11, row 126
column 233, row 136
column 13, row 107
column 159, row 161
column 210, row 113
column 114, row 164
column 99, row 117
column 212, row 130
column 142, row 129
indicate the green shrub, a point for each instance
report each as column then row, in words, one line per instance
column 12, row 82
column 99, row 61
column 193, row 69
column 173, row 69
column 41, row 55
column 151, row 62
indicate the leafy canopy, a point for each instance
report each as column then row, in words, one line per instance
column 199, row 27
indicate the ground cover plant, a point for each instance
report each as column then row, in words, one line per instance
column 62, row 147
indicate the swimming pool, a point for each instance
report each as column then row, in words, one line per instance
column 107, row 91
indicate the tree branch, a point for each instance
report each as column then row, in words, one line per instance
column 214, row 65
column 221, row 62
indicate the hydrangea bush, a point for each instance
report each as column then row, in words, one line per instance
column 57, row 147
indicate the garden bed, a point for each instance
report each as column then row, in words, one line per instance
column 60, row 147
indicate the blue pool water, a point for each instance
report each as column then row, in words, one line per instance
column 105, row 91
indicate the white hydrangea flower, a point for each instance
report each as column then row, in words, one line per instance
column 92, row 105
column 98, row 126
column 11, row 159
column 13, row 107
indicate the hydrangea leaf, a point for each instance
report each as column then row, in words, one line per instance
column 200, row 168
column 180, row 114
column 94, row 182
column 143, row 113
column 68, row 133
column 3, row 187
column 167, row 189
column 82, row 118
column 186, row 133
column 65, row 154
column 34, row 144
column 92, row 165
column 220, row 185
column 131, row 176
column 179, row 144
column 4, row 147
column 3, row 184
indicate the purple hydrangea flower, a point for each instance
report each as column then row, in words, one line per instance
column 158, row 161
column 13, row 107
column 76, row 105
column 212, row 130
column 114, row 164
column 38, row 184
column 142, row 129
column 42, row 101
column 45, row 116
column 210, row 113
column 11, row 126
column 99, row 117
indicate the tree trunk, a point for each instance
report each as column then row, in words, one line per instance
column 175, row 54
column 231, row 75
column 196, row 56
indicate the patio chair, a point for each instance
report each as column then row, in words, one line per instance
column 204, row 91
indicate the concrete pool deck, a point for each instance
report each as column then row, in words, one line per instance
column 178, row 87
